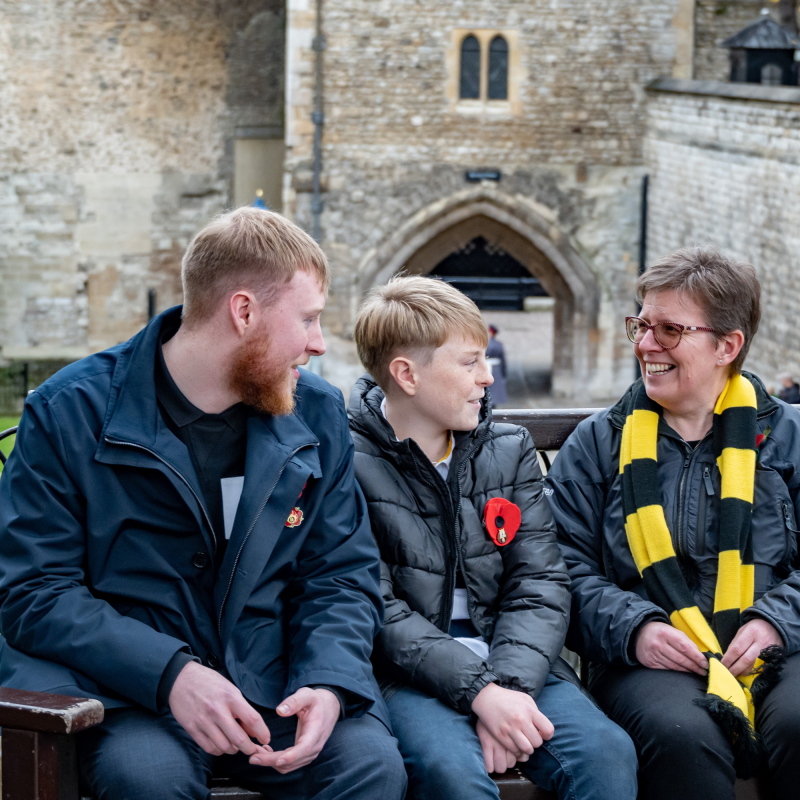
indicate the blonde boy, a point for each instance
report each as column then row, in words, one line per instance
column 475, row 588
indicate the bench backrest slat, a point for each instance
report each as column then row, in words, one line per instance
column 549, row 427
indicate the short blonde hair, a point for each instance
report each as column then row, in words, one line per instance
column 412, row 315
column 249, row 248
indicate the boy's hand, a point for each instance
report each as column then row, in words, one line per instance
column 512, row 718
column 495, row 757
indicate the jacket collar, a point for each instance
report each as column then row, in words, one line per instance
column 765, row 404
column 364, row 413
column 132, row 413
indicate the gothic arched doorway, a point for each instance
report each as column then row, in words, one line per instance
column 520, row 230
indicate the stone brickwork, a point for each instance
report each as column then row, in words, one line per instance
column 117, row 120
column 725, row 170
column 396, row 149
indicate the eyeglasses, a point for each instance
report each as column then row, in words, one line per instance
column 667, row 334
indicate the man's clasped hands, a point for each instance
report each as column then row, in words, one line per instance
column 216, row 715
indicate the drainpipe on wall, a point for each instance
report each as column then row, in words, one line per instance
column 643, row 227
column 318, row 118
column 642, row 247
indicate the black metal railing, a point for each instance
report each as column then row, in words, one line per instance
column 20, row 377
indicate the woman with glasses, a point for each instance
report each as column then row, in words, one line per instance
column 677, row 515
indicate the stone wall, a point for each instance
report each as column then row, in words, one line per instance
column 396, row 148
column 117, row 121
column 724, row 162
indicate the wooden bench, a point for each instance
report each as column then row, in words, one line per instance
column 38, row 730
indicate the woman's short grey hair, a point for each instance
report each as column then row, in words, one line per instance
column 727, row 290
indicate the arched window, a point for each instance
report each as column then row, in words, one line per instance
column 771, row 75
column 470, row 69
column 498, row 69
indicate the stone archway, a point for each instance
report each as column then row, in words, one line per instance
column 527, row 231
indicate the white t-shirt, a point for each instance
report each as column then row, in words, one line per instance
column 477, row 644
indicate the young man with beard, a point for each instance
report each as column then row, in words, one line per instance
column 182, row 537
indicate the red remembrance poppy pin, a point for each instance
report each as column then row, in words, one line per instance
column 502, row 519
column 295, row 518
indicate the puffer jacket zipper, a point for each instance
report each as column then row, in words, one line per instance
column 446, row 503
column 462, row 464
column 454, row 541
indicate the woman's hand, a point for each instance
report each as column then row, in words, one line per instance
column 660, row 646
column 750, row 640
column 496, row 758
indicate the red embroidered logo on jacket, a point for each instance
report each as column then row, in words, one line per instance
column 502, row 519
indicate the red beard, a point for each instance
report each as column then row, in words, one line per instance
column 259, row 381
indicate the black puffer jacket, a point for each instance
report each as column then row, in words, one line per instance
column 609, row 601
column 518, row 594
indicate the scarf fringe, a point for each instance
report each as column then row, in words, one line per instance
column 748, row 749
column 768, row 674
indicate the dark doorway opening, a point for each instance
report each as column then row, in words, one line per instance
column 489, row 276
column 502, row 287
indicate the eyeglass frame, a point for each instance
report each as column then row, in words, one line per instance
column 682, row 328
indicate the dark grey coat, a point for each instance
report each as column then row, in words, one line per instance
column 427, row 529
column 609, row 601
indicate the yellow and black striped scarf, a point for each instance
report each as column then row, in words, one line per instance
column 729, row 700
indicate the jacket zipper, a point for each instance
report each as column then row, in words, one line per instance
column 447, row 608
column 179, row 474
column 450, row 587
column 707, row 481
column 250, row 530
column 679, row 538
column 459, row 554
column 700, row 538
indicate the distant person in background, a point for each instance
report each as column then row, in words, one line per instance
column 496, row 356
column 790, row 393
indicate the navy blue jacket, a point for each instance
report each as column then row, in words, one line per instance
column 101, row 518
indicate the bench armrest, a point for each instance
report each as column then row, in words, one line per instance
column 47, row 713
